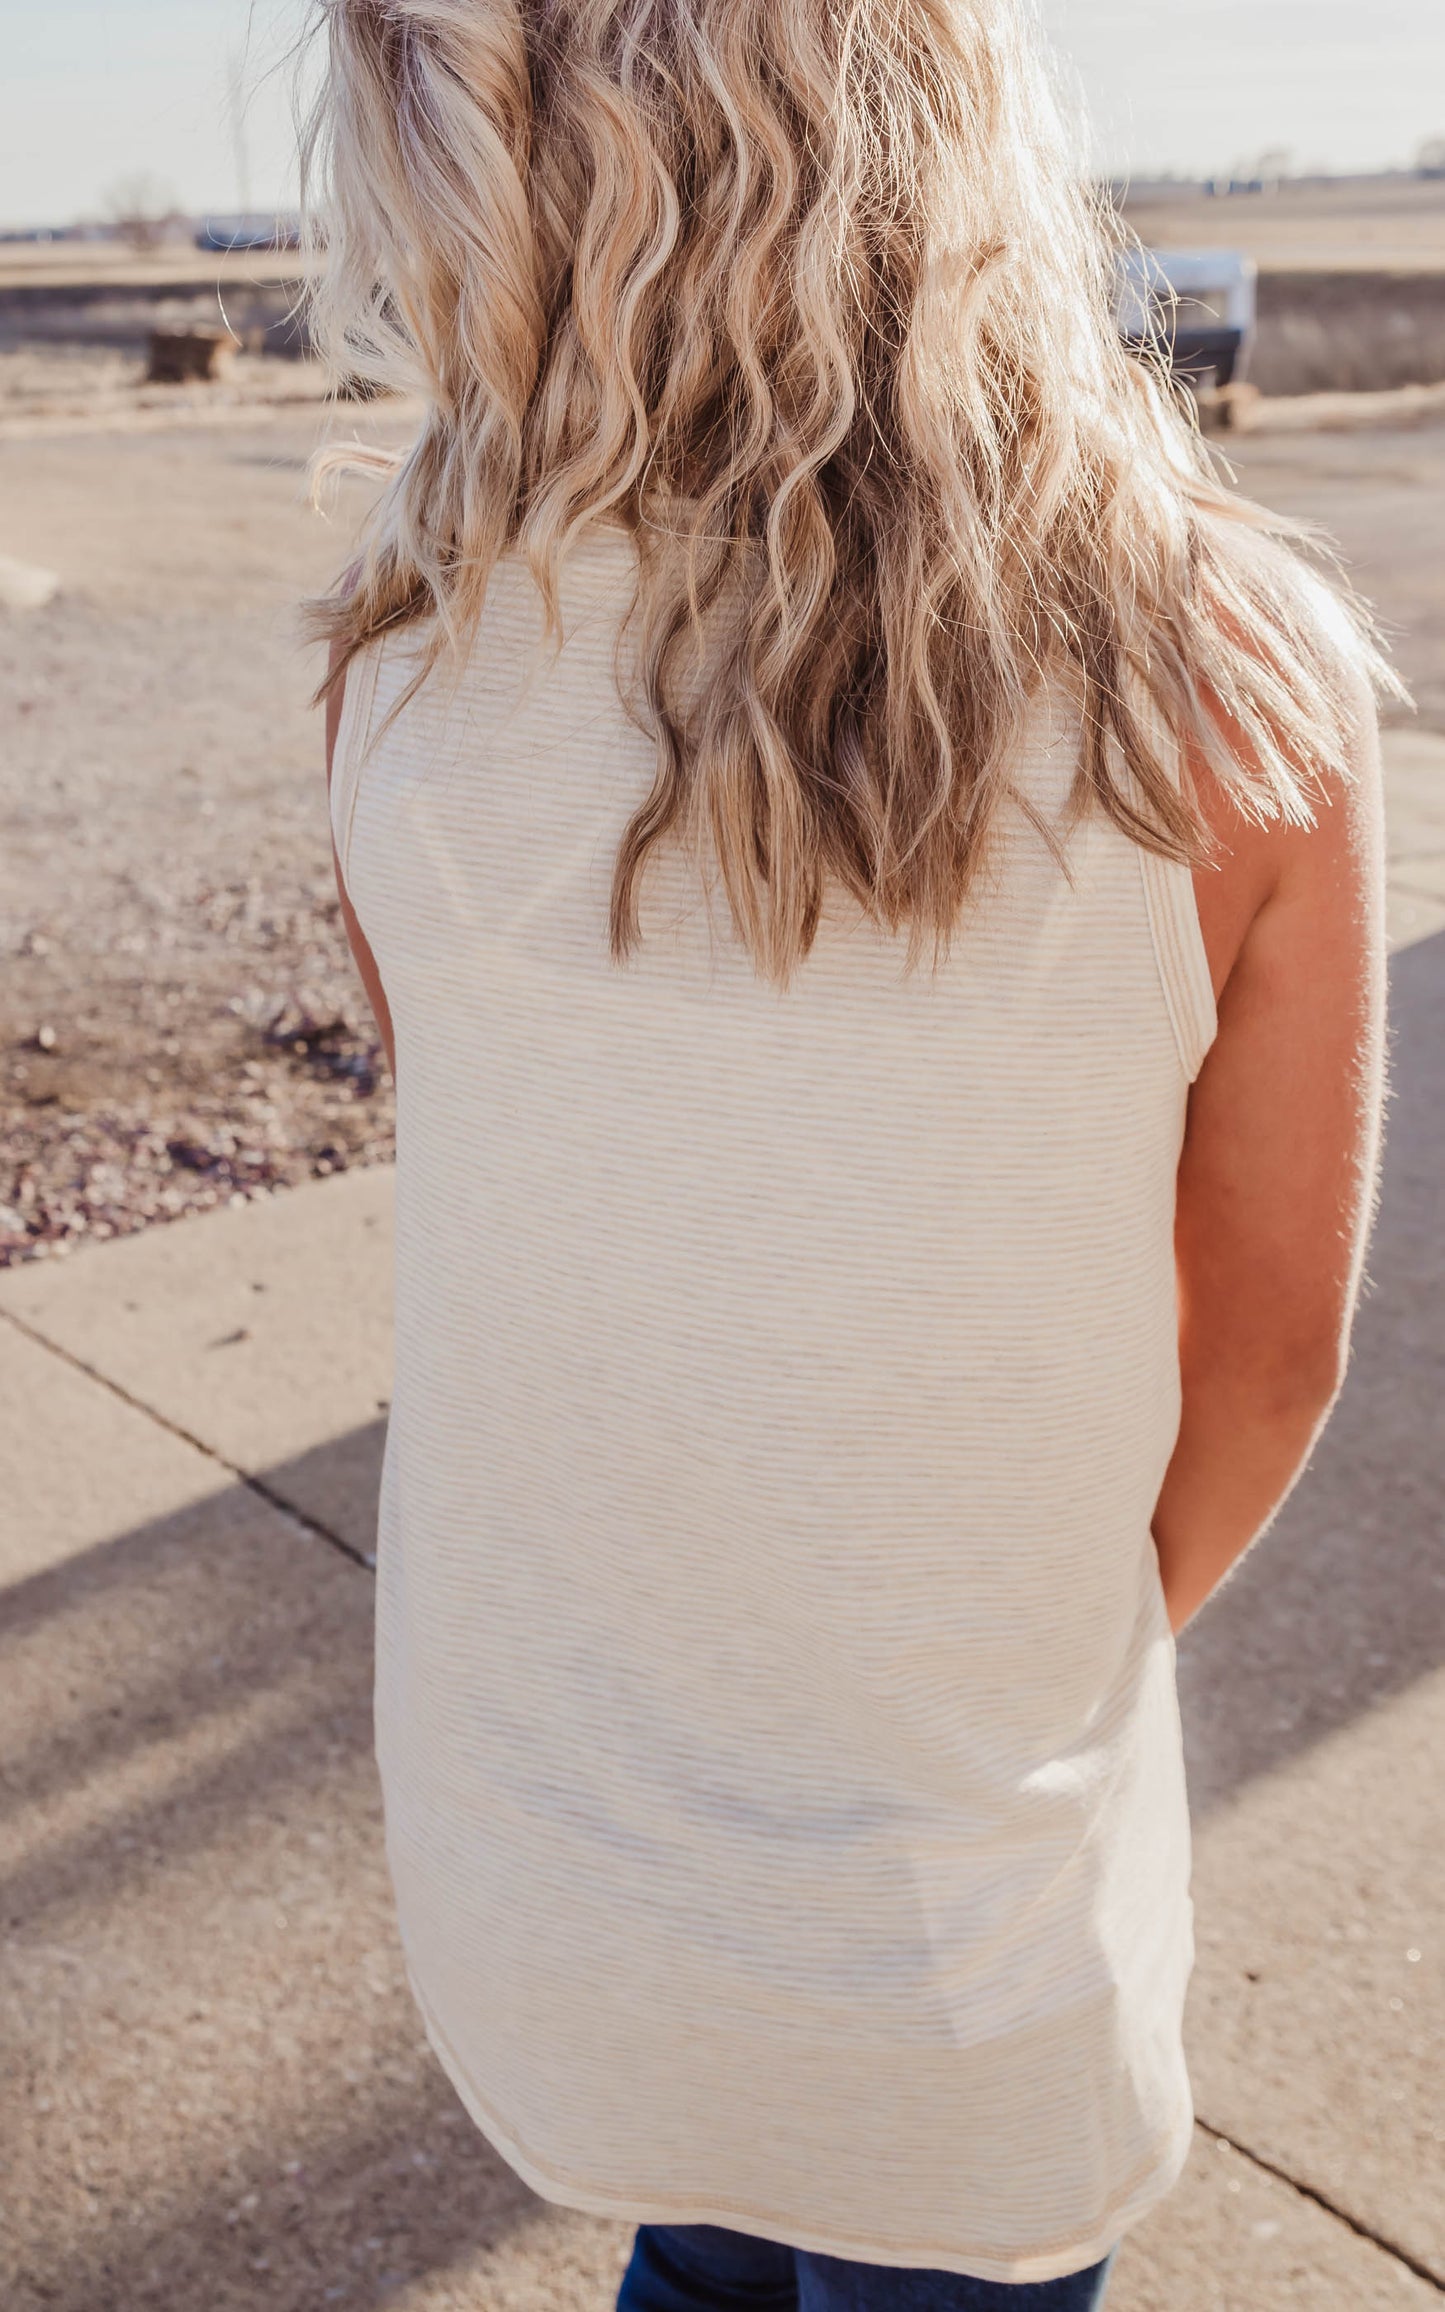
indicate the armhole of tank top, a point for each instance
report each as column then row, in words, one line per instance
column 353, row 732
column 1181, row 956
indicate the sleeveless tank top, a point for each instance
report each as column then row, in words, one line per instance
column 775, row 1699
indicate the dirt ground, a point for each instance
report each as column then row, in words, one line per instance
column 180, row 1023
column 68, row 389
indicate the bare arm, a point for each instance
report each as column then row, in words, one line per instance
column 365, row 960
column 1278, row 1178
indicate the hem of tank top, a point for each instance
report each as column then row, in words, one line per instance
column 1079, row 2253
column 1180, row 954
column 353, row 730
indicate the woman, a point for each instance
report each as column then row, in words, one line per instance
column 868, row 864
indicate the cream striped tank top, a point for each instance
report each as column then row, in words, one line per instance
column 775, row 1699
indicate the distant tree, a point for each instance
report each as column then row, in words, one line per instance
column 1276, row 162
column 141, row 207
column 1431, row 158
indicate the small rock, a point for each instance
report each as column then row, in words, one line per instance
column 44, row 1040
column 25, row 586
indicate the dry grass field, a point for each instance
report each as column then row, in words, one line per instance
column 1340, row 225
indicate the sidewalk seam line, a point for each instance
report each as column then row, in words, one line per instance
column 1309, row 2192
column 257, row 1485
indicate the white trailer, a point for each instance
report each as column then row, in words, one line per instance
column 1199, row 306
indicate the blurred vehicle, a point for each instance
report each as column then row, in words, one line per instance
column 249, row 233
column 1197, row 306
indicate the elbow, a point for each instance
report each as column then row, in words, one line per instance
column 1309, row 1376
column 1297, row 1383
column 1288, row 1378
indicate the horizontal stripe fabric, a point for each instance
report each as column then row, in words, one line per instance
column 775, row 1699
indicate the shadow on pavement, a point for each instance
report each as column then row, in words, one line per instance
column 1343, row 1604
column 220, row 2095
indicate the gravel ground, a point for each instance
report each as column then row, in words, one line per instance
column 180, row 1022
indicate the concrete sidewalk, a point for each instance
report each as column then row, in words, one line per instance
column 221, row 2097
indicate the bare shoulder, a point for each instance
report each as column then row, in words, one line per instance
column 1329, row 873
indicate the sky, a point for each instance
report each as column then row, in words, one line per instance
column 95, row 92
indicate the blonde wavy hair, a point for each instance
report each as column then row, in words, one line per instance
column 808, row 295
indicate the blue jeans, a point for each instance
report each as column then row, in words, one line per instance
column 699, row 2268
